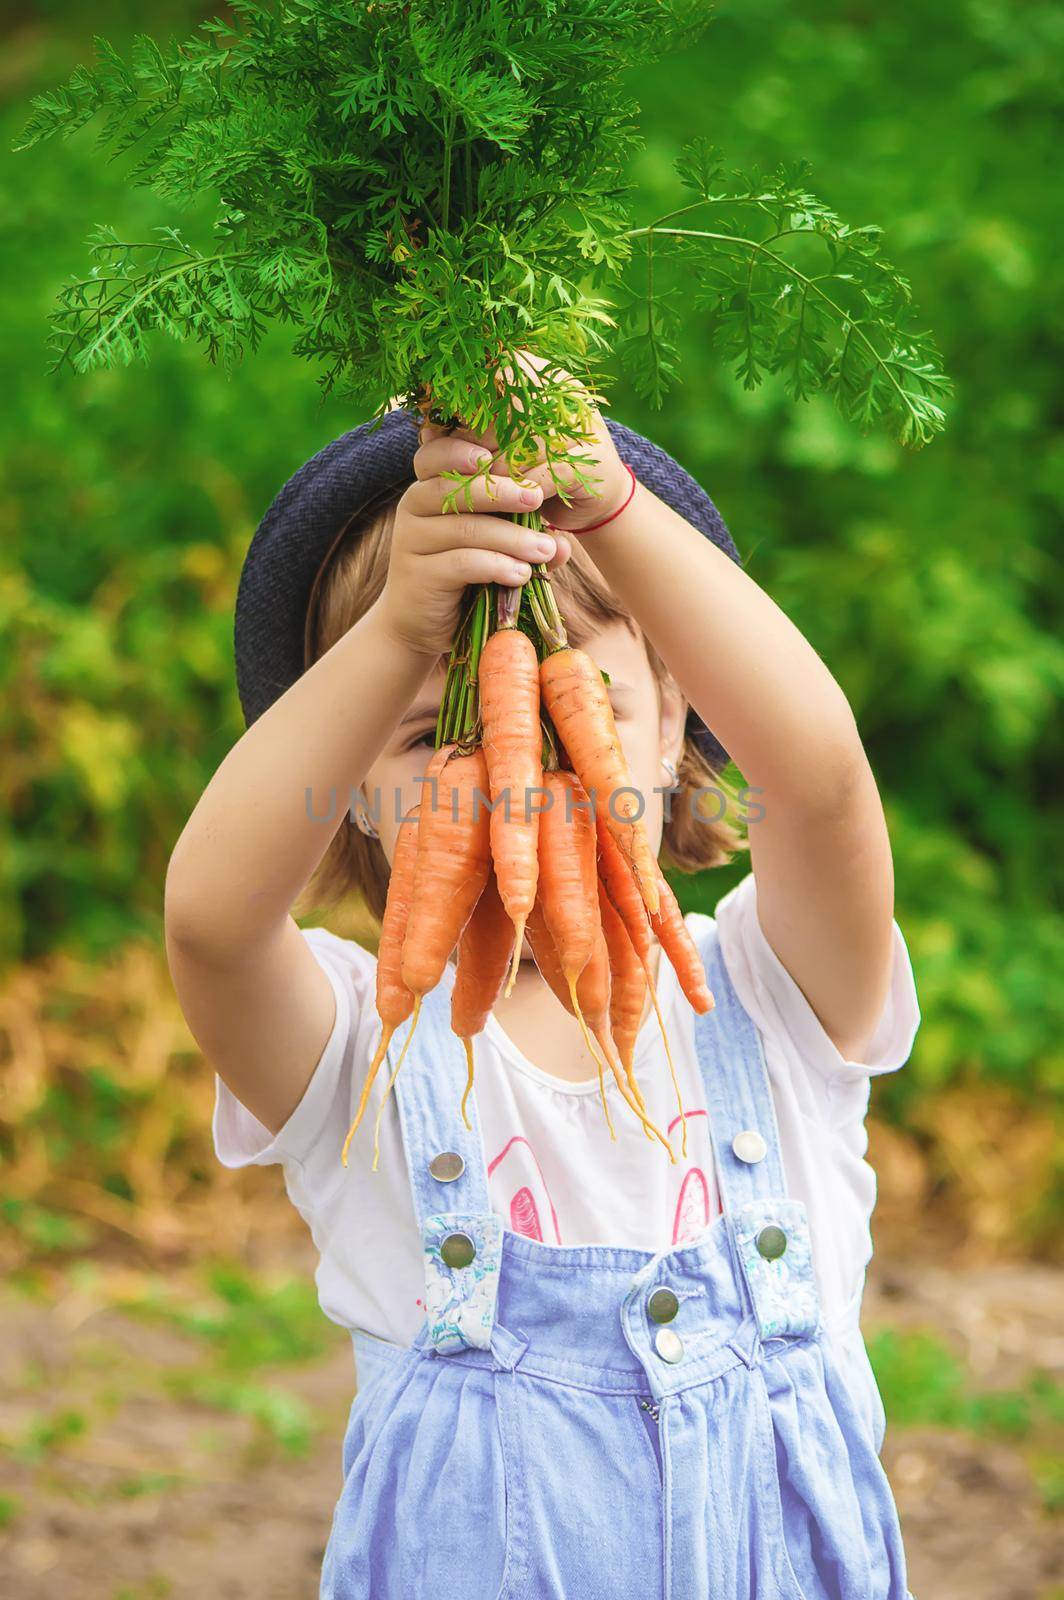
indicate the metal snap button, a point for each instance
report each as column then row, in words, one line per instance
column 447, row 1166
column 749, row 1145
column 458, row 1249
column 668, row 1344
column 771, row 1242
column 662, row 1305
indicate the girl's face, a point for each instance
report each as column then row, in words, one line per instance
column 649, row 717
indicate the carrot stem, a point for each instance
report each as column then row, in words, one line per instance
column 541, row 600
column 507, row 607
column 545, row 610
column 459, row 707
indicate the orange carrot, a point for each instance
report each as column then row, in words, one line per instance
column 680, row 948
column 483, row 958
column 550, row 968
column 616, row 877
column 568, row 890
column 567, row 893
column 453, row 862
column 593, row 994
column 580, row 709
column 545, row 954
column 568, row 874
column 394, row 1000
column 628, row 989
column 622, row 890
column 509, row 711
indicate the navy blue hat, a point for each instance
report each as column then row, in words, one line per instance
column 373, row 464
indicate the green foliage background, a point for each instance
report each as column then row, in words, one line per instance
column 926, row 580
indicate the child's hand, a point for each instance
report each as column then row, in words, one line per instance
column 609, row 484
column 435, row 554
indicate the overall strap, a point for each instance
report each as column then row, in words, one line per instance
column 742, row 1117
column 429, row 1092
column 461, row 1236
column 770, row 1230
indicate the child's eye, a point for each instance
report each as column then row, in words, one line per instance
column 420, row 740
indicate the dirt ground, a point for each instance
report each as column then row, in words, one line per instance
column 129, row 1489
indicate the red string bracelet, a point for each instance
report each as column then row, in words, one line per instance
column 593, row 525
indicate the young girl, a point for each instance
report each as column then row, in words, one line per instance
column 583, row 1368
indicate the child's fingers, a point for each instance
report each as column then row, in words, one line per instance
column 454, row 569
column 465, row 452
column 429, row 530
column 431, row 433
column 496, row 495
column 459, row 452
column 438, row 535
column 448, row 452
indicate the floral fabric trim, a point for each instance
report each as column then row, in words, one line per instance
column 784, row 1291
column 460, row 1301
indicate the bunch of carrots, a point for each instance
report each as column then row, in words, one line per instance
column 529, row 828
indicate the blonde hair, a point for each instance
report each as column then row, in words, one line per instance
column 351, row 580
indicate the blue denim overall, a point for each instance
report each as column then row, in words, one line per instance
column 573, row 1423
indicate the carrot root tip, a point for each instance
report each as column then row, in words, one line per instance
column 605, row 1103
column 515, row 964
column 468, row 1047
column 391, row 1081
column 668, row 1055
column 382, row 1050
column 579, row 1015
column 651, row 1130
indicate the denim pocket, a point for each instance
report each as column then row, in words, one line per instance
column 840, row 1537
column 424, row 1502
column 769, row 1470
column 583, row 1515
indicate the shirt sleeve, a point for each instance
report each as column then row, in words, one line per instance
column 778, row 1006
column 313, row 1135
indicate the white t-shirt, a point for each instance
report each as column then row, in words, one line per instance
column 553, row 1171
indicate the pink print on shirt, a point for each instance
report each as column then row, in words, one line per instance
column 693, row 1204
column 530, row 1204
column 524, row 1214
column 692, row 1207
column 675, row 1123
column 531, row 1200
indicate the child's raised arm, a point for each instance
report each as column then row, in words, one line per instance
column 820, row 852
column 253, row 994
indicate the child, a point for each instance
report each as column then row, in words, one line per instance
column 582, row 1368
